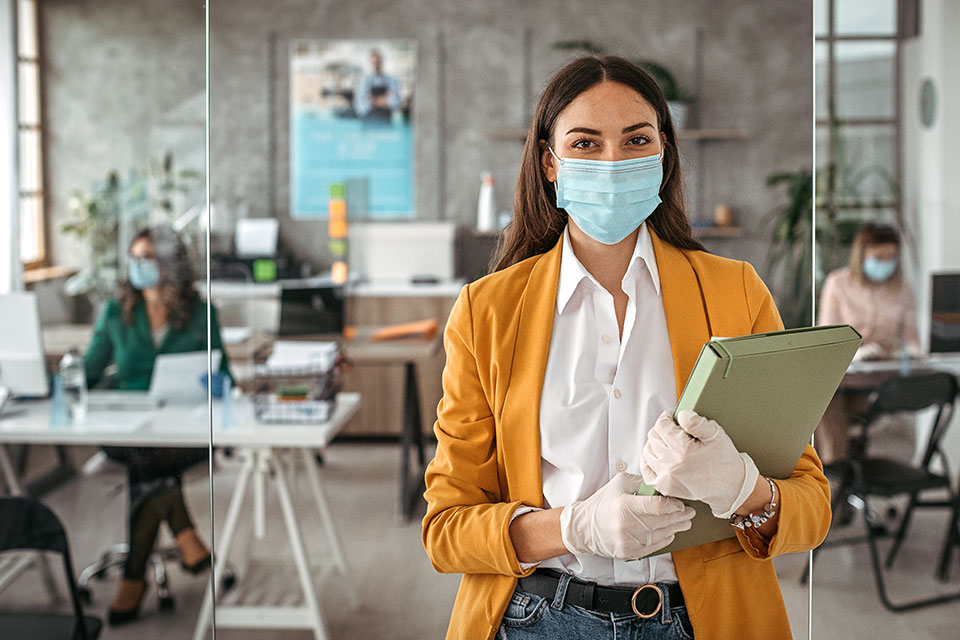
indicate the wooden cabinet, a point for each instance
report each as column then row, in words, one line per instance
column 381, row 386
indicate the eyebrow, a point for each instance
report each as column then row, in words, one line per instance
column 594, row 132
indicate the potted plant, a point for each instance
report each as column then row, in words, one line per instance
column 789, row 260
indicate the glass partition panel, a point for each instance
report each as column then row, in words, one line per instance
column 887, row 267
column 103, row 336
column 363, row 164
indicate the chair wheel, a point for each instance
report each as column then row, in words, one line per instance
column 167, row 604
column 229, row 581
column 84, row 595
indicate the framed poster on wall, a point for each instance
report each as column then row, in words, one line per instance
column 351, row 121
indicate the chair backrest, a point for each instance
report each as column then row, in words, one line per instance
column 917, row 391
column 27, row 524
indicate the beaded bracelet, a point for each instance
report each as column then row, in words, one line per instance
column 754, row 520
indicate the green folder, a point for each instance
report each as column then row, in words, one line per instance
column 768, row 391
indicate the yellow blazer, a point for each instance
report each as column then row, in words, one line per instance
column 488, row 443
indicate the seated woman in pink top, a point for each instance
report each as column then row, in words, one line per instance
column 871, row 295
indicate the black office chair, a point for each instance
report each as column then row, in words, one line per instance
column 862, row 476
column 27, row 525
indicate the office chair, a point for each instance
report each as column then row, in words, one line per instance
column 862, row 476
column 27, row 525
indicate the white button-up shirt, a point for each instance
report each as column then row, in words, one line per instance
column 601, row 394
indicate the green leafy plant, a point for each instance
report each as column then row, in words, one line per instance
column 789, row 259
column 116, row 207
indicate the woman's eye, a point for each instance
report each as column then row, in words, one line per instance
column 638, row 140
column 582, row 143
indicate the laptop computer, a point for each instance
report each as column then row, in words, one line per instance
column 312, row 310
column 945, row 313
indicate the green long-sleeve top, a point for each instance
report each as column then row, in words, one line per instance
column 132, row 347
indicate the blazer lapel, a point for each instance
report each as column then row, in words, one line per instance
column 684, row 305
column 518, row 428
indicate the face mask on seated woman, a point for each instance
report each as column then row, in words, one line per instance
column 878, row 270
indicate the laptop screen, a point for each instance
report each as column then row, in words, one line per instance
column 945, row 313
column 311, row 311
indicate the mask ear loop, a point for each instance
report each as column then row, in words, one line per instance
column 550, row 149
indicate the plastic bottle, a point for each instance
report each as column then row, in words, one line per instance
column 904, row 358
column 486, row 210
column 73, row 384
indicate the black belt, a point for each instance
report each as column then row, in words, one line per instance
column 644, row 601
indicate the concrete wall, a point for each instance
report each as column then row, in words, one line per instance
column 116, row 66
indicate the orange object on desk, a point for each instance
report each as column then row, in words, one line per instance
column 419, row 329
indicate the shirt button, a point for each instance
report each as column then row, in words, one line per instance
column 617, row 394
column 621, row 465
column 606, row 339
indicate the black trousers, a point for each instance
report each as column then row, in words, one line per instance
column 156, row 496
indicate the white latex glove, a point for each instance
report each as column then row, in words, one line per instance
column 616, row 523
column 696, row 460
column 869, row 351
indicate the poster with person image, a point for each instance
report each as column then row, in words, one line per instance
column 351, row 122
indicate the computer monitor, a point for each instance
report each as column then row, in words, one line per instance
column 945, row 313
column 22, row 367
column 311, row 310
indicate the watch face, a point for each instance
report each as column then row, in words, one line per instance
column 928, row 103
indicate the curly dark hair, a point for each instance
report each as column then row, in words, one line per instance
column 176, row 277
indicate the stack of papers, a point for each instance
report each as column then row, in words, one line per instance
column 296, row 354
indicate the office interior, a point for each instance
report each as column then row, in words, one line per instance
column 115, row 125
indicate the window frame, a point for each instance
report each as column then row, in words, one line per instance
column 38, row 194
column 832, row 122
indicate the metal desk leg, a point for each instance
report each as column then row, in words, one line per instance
column 411, row 492
column 318, row 496
column 300, row 556
column 222, row 548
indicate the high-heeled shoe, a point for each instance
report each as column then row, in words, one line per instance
column 194, row 555
column 126, row 602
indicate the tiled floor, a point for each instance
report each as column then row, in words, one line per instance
column 402, row 597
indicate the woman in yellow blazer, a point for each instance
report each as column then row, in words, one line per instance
column 600, row 192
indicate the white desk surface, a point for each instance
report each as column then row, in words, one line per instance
column 946, row 361
column 223, row 289
column 171, row 426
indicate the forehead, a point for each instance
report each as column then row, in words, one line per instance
column 141, row 246
column 608, row 105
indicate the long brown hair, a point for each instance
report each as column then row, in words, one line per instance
column 868, row 235
column 537, row 222
column 176, row 277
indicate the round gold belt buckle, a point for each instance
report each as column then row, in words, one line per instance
column 633, row 601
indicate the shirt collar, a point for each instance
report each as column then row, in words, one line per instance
column 572, row 271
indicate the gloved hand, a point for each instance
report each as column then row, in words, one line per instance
column 870, row 351
column 696, row 460
column 616, row 523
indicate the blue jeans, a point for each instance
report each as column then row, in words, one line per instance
column 533, row 616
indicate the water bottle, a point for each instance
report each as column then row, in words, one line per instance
column 73, row 384
column 486, row 210
column 904, row 358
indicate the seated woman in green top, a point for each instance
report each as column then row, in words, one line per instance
column 157, row 311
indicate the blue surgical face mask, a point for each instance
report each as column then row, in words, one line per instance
column 879, row 270
column 143, row 273
column 609, row 200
